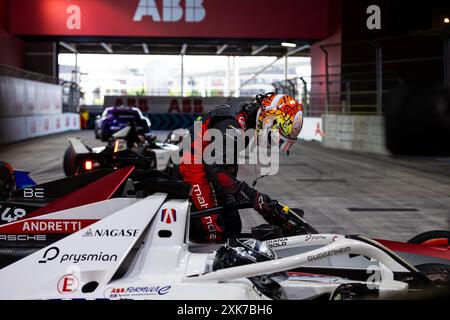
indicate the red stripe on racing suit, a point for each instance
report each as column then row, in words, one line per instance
column 202, row 194
column 211, row 181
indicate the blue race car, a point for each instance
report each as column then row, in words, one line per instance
column 114, row 119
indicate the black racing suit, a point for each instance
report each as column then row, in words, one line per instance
column 217, row 184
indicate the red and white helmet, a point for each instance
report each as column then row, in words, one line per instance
column 280, row 113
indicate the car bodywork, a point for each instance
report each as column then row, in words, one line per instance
column 114, row 119
column 80, row 158
column 159, row 264
column 108, row 245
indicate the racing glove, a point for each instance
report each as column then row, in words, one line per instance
column 275, row 214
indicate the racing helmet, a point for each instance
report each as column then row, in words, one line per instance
column 282, row 115
column 238, row 252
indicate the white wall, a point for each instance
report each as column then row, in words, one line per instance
column 22, row 97
column 354, row 132
column 14, row 129
column 312, row 129
column 31, row 109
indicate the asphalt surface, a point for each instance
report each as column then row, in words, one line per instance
column 340, row 191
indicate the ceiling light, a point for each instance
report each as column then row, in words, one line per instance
column 288, row 44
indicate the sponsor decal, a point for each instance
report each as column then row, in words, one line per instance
column 43, row 226
column 63, row 226
column 313, row 237
column 50, row 254
column 187, row 105
column 275, row 243
column 12, row 214
column 23, row 237
column 328, row 253
column 120, row 293
column 168, row 216
column 87, row 257
column 319, row 131
column 210, row 226
column 171, row 11
column 311, row 276
column 111, row 232
column 68, row 284
column 197, row 192
column 37, row 193
column 53, row 252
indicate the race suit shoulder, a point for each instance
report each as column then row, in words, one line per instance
column 223, row 175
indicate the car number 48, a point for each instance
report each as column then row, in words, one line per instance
column 9, row 215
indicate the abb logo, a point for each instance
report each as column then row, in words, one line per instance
column 118, row 290
column 172, row 11
column 194, row 105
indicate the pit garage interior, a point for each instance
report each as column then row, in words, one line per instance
column 341, row 174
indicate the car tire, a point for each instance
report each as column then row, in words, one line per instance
column 7, row 181
column 430, row 235
column 438, row 273
column 70, row 164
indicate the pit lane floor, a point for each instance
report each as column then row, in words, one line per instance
column 341, row 191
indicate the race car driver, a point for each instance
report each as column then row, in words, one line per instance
column 217, row 184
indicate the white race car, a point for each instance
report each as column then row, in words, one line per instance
column 139, row 248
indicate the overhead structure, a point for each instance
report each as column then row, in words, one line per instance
column 221, row 49
column 130, row 27
column 188, row 46
column 183, row 49
column 145, row 48
column 259, row 49
column 68, row 47
column 107, row 47
column 298, row 50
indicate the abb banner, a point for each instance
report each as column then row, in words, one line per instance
column 21, row 97
column 312, row 129
column 153, row 104
column 307, row 19
column 14, row 129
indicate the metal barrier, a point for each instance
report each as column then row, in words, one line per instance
column 11, row 71
column 342, row 94
column 71, row 96
column 358, row 87
column 71, row 92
